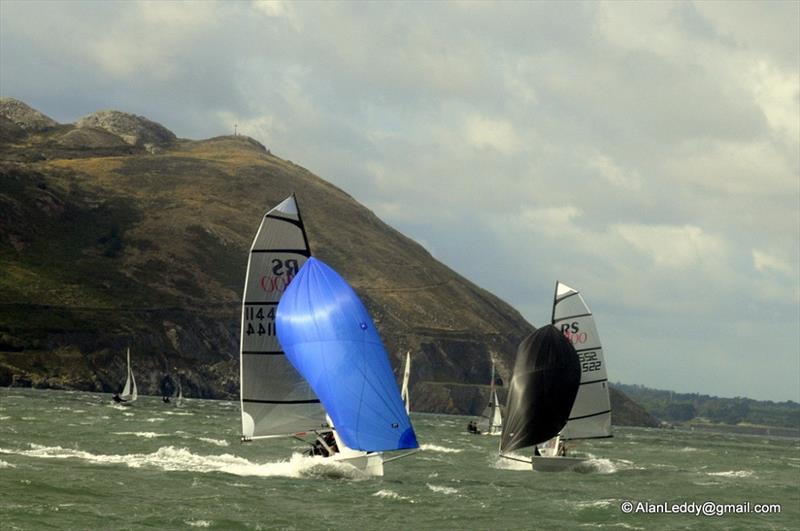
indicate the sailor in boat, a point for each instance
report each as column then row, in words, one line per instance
column 562, row 449
column 116, row 398
column 165, row 399
column 325, row 445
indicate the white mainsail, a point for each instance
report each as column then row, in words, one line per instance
column 591, row 413
column 491, row 422
column 275, row 399
column 404, row 394
column 129, row 392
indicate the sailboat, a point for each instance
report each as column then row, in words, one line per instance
column 543, row 387
column 129, row 392
column 590, row 417
column 589, row 413
column 329, row 337
column 179, row 398
column 404, row 393
column 491, row 422
column 275, row 400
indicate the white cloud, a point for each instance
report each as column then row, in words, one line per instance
column 765, row 262
column 673, row 246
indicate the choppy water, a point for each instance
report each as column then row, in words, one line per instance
column 71, row 460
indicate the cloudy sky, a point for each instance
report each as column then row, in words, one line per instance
column 647, row 154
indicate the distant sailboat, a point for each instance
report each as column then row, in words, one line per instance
column 404, row 393
column 544, row 384
column 179, row 398
column 330, row 339
column 129, row 392
column 491, row 422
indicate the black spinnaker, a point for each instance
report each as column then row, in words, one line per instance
column 547, row 374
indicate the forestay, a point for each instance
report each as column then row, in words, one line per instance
column 275, row 399
column 591, row 414
column 330, row 338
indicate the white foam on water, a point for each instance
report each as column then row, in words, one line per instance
column 171, row 459
column 391, row 495
column 501, row 463
column 197, row 523
column 145, row 434
column 179, row 413
column 155, row 419
column 617, row 524
column 596, row 504
column 4, row 464
column 688, row 449
column 442, row 489
column 442, row 449
column 4, row 418
column 218, row 442
column 600, row 466
column 733, row 474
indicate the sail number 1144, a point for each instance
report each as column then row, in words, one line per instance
column 260, row 328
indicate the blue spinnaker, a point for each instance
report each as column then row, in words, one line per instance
column 329, row 337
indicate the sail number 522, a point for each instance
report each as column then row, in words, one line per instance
column 589, row 361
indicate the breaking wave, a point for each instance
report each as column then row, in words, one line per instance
column 170, row 458
column 437, row 448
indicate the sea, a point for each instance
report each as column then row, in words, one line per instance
column 76, row 460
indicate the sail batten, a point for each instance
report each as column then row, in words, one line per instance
column 275, row 400
column 590, row 417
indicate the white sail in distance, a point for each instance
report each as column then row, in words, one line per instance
column 404, row 394
column 275, row 399
column 591, row 413
column 129, row 392
column 491, row 421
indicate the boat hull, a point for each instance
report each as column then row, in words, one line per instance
column 555, row 464
column 369, row 464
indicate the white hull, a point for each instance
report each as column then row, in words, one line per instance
column 369, row 464
column 555, row 464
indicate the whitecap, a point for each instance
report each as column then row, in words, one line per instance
column 518, row 462
column 601, row 504
column 218, row 442
column 145, row 434
column 197, row 523
column 170, row 459
column 442, row 489
column 391, row 495
column 442, row 449
column 4, row 464
column 733, row 474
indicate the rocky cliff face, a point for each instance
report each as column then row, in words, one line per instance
column 105, row 245
column 135, row 130
column 25, row 117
